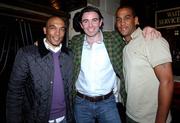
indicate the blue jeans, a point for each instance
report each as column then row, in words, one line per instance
column 105, row 111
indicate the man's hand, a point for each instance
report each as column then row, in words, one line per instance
column 151, row 33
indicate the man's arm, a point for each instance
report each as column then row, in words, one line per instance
column 165, row 76
column 15, row 94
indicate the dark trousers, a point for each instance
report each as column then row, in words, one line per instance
column 122, row 112
column 129, row 120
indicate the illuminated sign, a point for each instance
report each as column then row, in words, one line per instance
column 167, row 18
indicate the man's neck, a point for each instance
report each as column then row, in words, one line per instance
column 128, row 39
column 93, row 39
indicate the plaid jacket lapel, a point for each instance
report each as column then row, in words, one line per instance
column 114, row 45
column 76, row 46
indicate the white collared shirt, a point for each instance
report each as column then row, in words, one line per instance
column 49, row 47
column 97, row 76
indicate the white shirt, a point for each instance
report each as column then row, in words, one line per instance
column 49, row 47
column 97, row 76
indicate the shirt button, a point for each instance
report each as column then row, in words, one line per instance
column 51, row 82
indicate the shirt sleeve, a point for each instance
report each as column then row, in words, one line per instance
column 158, row 51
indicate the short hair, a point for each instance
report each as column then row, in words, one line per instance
column 55, row 16
column 90, row 9
column 129, row 6
column 76, row 24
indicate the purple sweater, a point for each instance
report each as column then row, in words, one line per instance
column 58, row 107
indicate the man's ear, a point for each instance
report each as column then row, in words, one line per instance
column 44, row 30
column 101, row 22
column 81, row 25
column 136, row 21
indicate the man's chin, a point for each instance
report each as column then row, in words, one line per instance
column 123, row 33
column 92, row 34
column 56, row 44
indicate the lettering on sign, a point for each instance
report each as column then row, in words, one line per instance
column 167, row 18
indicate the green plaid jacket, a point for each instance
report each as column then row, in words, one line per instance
column 114, row 45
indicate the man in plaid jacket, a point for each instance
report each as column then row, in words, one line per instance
column 97, row 62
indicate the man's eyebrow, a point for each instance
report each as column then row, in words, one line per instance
column 51, row 25
column 84, row 19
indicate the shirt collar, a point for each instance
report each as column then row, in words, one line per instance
column 135, row 34
column 98, row 42
column 49, row 47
